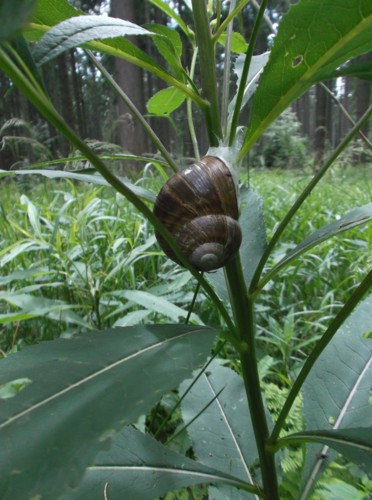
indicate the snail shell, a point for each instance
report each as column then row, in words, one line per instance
column 199, row 207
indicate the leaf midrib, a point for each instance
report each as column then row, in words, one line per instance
column 90, row 377
column 305, row 79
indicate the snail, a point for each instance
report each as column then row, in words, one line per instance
column 199, row 207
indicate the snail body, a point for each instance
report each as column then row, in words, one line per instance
column 199, row 207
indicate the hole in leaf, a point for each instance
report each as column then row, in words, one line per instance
column 12, row 388
column 297, row 61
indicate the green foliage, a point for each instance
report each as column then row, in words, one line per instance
column 97, row 382
column 283, row 145
column 298, row 59
column 14, row 16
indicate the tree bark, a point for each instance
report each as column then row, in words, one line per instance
column 130, row 78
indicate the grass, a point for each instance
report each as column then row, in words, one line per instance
column 75, row 257
column 295, row 308
column 71, row 256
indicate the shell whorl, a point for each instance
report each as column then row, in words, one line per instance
column 199, row 207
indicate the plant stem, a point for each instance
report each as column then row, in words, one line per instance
column 255, row 287
column 226, row 73
column 247, row 63
column 319, row 348
column 230, row 17
column 40, row 100
column 243, row 309
column 207, row 64
column 189, row 110
column 134, row 111
column 344, row 111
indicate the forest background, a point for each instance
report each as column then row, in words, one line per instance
column 92, row 108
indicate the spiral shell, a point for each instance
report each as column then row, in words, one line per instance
column 199, row 207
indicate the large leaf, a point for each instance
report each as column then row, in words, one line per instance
column 51, row 12
column 156, row 304
column 171, row 12
column 222, row 434
column 362, row 69
column 352, row 219
column 82, row 29
column 355, row 444
column 142, row 468
column 82, row 390
column 170, row 47
column 165, row 101
column 32, row 307
column 336, row 393
column 255, row 70
column 314, row 38
column 94, row 178
column 13, row 16
column 253, row 245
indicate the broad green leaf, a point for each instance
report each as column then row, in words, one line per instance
column 170, row 41
column 132, row 318
column 165, row 101
column 82, row 29
column 80, row 176
column 13, row 387
column 82, row 390
column 23, row 50
column 255, row 70
column 336, row 394
column 32, row 307
column 33, row 213
column 313, row 39
column 169, row 46
column 253, row 245
column 142, row 468
column 107, row 156
column 156, row 304
column 25, row 273
column 354, row 218
column 335, row 489
column 51, row 12
column 19, row 247
column 222, row 435
column 358, row 69
column 15, row 317
column 238, row 43
column 354, row 444
column 14, row 16
column 164, row 6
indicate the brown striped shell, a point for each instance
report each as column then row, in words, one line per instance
column 199, row 207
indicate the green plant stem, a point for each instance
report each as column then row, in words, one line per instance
column 189, row 109
column 348, row 307
column 247, row 63
column 256, row 286
column 42, row 103
column 137, row 115
column 208, row 75
column 151, row 66
column 345, row 112
column 226, row 73
column 243, row 309
column 230, row 17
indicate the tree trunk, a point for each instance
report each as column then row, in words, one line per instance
column 363, row 100
column 130, row 78
column 66, row 108
column 320, row 126
column 363, row 93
